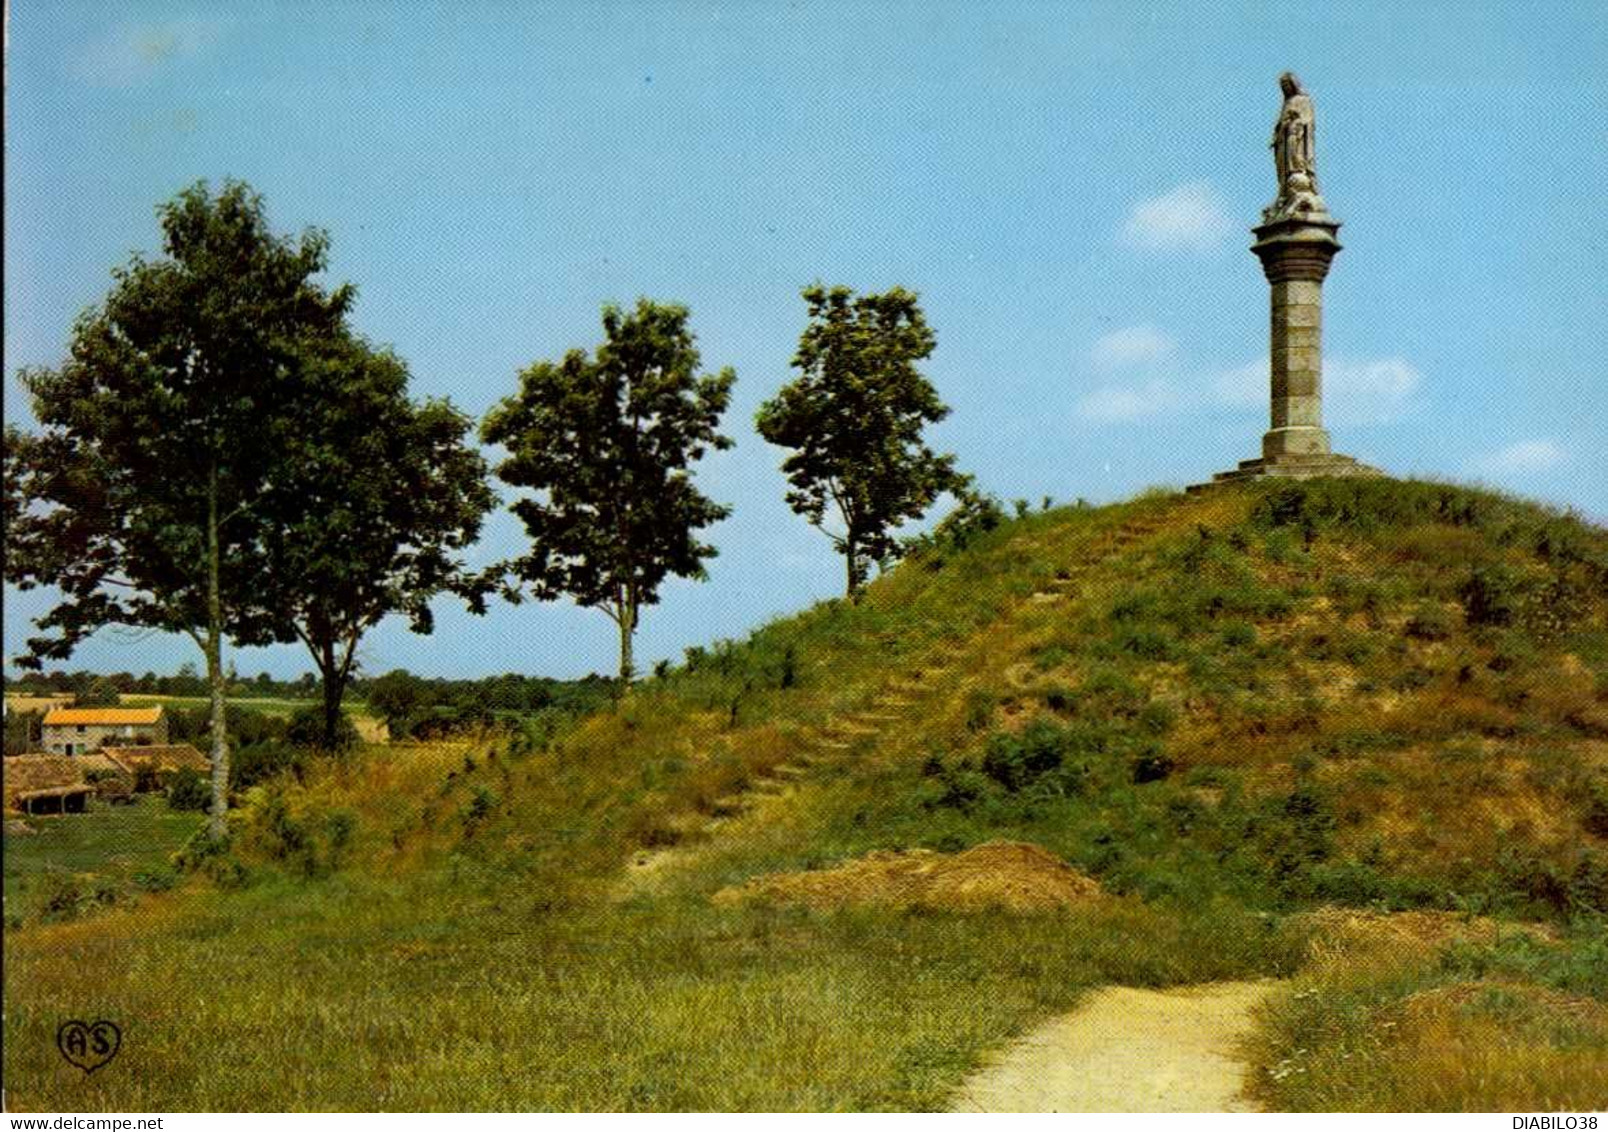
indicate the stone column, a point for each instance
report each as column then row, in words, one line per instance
column 1295, row 255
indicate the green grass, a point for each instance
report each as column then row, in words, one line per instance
column 1491, row 1024
column 99, row 851
column 473, row 989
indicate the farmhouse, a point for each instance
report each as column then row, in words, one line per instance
column 63, row 784
column 76, row 731
column 45, row 784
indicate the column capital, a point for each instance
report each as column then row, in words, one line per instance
column 1294, row 248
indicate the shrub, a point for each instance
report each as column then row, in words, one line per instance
column 957, row 789
column 1429, row 623
column 155, row 880
column 63, row 895
column 212, row 859
column 1151, row 765
column 339, row 826
column 1238, row 635
column 188, row 790
column 306, row 730
column 262, row 761
column 1039, row 756
column 1061, row 699
column 976, row 515
column 1488, row 596
column 980, row 705
column 1595, row 818
column 482, row 801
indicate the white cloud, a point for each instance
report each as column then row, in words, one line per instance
column 1356, row 391
column 133, row 52
column 1191, row 216
column 1130, row 346
column 1117, row 403
column 1364, row 391
column 1243, row 387
column 1537, row 455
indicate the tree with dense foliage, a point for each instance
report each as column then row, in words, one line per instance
column 395, row 697
column 377, row 497
column 102, row 693
column 607, row 443
column 854, row 418
column 160, row 433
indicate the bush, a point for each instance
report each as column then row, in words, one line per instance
column 481, row 803
column 1595, row 818
column 155, row 880
column 212, row 859
column 188, row 790
column 1489, row 596
column 261, row 761
column 958, row 789
column 63, row 894
column 306, row 730
column 980, row 705
column 975, row 515
column 1151, row 765
column 1042, row 751
column 309, row 840
column 1429, row 623
column 1238, row 635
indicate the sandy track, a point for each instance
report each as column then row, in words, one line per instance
column 1127, row 1050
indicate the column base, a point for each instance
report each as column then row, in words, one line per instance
column 1295, row 440
column 1290, row 467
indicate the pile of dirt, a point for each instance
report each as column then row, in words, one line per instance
column 1350, row 934
column 1008, row 875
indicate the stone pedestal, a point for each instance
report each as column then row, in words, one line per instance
column 1295, row 257
column 1295, row 252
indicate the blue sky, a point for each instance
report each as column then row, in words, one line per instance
column 1069, row 188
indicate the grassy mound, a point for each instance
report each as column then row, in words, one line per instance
column 1230, row 711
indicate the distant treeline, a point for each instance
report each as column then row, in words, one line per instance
column 90, row 685
column 410, row 705
column 416, row 706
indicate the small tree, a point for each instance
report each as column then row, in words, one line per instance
column 607, row 443
column 396, row 698
column 854, row 418
column 160, row 433
column 100, row 693
column 376, row 498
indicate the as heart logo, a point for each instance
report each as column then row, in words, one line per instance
column 89, row 1045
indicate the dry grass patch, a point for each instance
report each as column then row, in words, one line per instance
column 998, row 876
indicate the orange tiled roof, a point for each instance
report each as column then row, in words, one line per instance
column 102, row 716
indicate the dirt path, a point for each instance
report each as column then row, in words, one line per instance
column 1127, row 1050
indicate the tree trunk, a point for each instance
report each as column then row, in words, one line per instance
column 217, row 826
column 627, row 631
column 851, row 558
column 334, row 689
